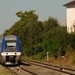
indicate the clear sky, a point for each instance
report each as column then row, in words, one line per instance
column 44, row 8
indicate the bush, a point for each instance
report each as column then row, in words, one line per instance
column 40, row 56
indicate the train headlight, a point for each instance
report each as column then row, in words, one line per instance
column 10, row 38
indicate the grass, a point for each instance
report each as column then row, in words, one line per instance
column 68, row 61
column 4, row 71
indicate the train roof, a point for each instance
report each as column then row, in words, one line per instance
column 10, row 37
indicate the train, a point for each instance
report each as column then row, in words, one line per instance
column 10, row 50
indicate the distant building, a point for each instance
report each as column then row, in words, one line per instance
column 70, row 9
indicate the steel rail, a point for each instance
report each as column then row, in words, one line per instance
column 56, row 68
column 28, row 71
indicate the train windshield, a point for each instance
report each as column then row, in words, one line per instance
column 11, row 44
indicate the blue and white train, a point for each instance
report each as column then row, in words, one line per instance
column 10, row 50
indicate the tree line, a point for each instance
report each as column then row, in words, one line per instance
column 38, row 37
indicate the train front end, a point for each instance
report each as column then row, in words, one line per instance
column 10, row 50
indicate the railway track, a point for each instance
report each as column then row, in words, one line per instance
column 28, row 67
column 20, row 70
column 64, row 70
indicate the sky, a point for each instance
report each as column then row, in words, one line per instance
column 44, row 9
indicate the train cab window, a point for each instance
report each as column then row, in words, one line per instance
column 11, row 44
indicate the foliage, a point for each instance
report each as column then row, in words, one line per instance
column 73, row 61
column 38, row 37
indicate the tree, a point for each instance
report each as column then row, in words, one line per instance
column 28, row 29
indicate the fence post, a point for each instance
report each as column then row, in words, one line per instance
column 47, row 56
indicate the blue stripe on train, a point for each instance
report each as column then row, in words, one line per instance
column 3, row 45
column 18, row 44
